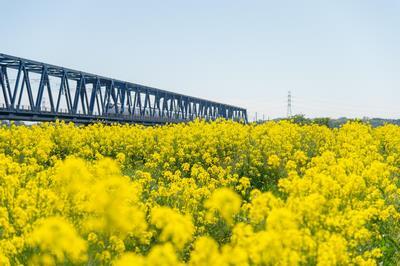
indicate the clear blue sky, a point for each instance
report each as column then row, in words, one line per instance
column 339, row 58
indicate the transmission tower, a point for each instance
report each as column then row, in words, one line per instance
column 289, row 105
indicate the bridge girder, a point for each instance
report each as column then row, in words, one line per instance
column 83, row 97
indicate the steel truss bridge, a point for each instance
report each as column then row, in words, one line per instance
column 35, row 91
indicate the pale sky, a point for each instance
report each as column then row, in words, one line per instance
column 338, row 58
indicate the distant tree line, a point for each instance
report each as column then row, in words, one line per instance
column 335, row 123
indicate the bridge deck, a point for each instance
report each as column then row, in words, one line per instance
column 83, row 97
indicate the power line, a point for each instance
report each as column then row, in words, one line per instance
column 329, row 105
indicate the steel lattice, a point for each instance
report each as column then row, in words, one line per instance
column 84, row 98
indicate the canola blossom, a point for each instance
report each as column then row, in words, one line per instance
column 201, row 193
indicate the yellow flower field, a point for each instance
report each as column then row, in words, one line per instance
column 219, row 193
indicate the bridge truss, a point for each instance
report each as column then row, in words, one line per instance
column 35, row 91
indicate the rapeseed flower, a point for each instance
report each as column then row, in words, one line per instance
column 201, row 193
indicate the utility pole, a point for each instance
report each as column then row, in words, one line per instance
column 43, row 106
column 289, row 105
